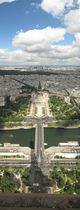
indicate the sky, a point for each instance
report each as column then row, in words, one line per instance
column 39, row 32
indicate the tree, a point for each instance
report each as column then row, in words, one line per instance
column 8, row 183
column 69, row 188
column 25, row 175
column 57, row 176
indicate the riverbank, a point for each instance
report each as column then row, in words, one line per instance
column 64, row 124
column 29, row 127
column 64, row 127
column 17, row 127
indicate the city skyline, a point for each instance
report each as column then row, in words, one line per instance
column 39, row 32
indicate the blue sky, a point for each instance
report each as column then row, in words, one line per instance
column 39, row 32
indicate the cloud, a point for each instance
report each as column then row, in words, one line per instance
column 6, row 1
column 55, row 55
column 56, row 7
column 79, row 2
column 72, row 21
column 77, row 38
column 39, row 47
column 35, row 4
column 38, row 38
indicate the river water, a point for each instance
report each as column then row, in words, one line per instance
column 25, row 137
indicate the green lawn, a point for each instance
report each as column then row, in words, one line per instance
column 14, row 112
column 64, row 113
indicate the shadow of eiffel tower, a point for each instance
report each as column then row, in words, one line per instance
column 38, row 182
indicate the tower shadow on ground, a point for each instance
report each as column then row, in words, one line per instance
column 38, row 182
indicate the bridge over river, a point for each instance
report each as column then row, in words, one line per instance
column 39, row 142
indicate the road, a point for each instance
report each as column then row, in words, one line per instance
column 12, row 161
column 35, row 120
column 40, row 168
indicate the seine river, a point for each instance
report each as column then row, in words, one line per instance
column 25, row 137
